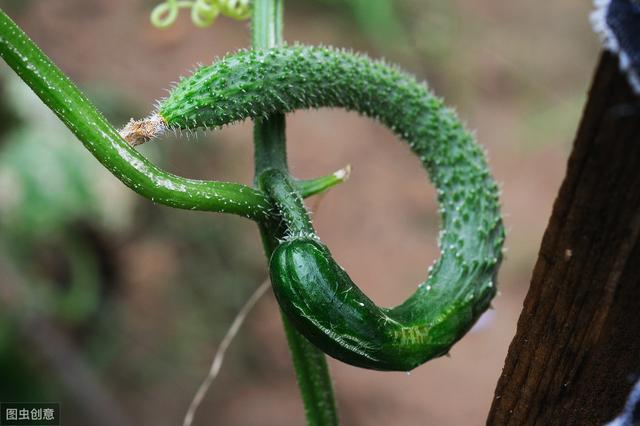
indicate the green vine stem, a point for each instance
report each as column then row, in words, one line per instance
column 135, row 171
column 106, row 144
column 309, row 187
column 309, row 362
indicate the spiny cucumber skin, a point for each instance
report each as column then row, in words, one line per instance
column 330, row 310
column 460, row 284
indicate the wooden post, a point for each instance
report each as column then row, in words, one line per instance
column 576, row 353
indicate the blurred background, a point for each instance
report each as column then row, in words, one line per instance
column 114, row 306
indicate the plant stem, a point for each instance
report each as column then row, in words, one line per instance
column 107, row 146
column 309, row 187
column 309, row 362
column 104, row 142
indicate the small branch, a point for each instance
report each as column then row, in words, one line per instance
column 310, row 187
column 218, row 358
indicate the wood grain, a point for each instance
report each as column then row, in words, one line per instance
column 577, row 347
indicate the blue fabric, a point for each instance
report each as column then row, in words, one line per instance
column 618, row 24
column 630, row 416
column 623, row 19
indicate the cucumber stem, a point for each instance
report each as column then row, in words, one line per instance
column 309, row 363
column 104, row 142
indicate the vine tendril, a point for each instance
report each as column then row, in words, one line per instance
column 203, row 12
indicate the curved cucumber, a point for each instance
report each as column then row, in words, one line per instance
column 330, row 310
column 314, row 291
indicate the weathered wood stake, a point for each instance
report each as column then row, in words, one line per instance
column 576, row 352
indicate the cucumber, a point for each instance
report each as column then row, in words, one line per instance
column 313, row 290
